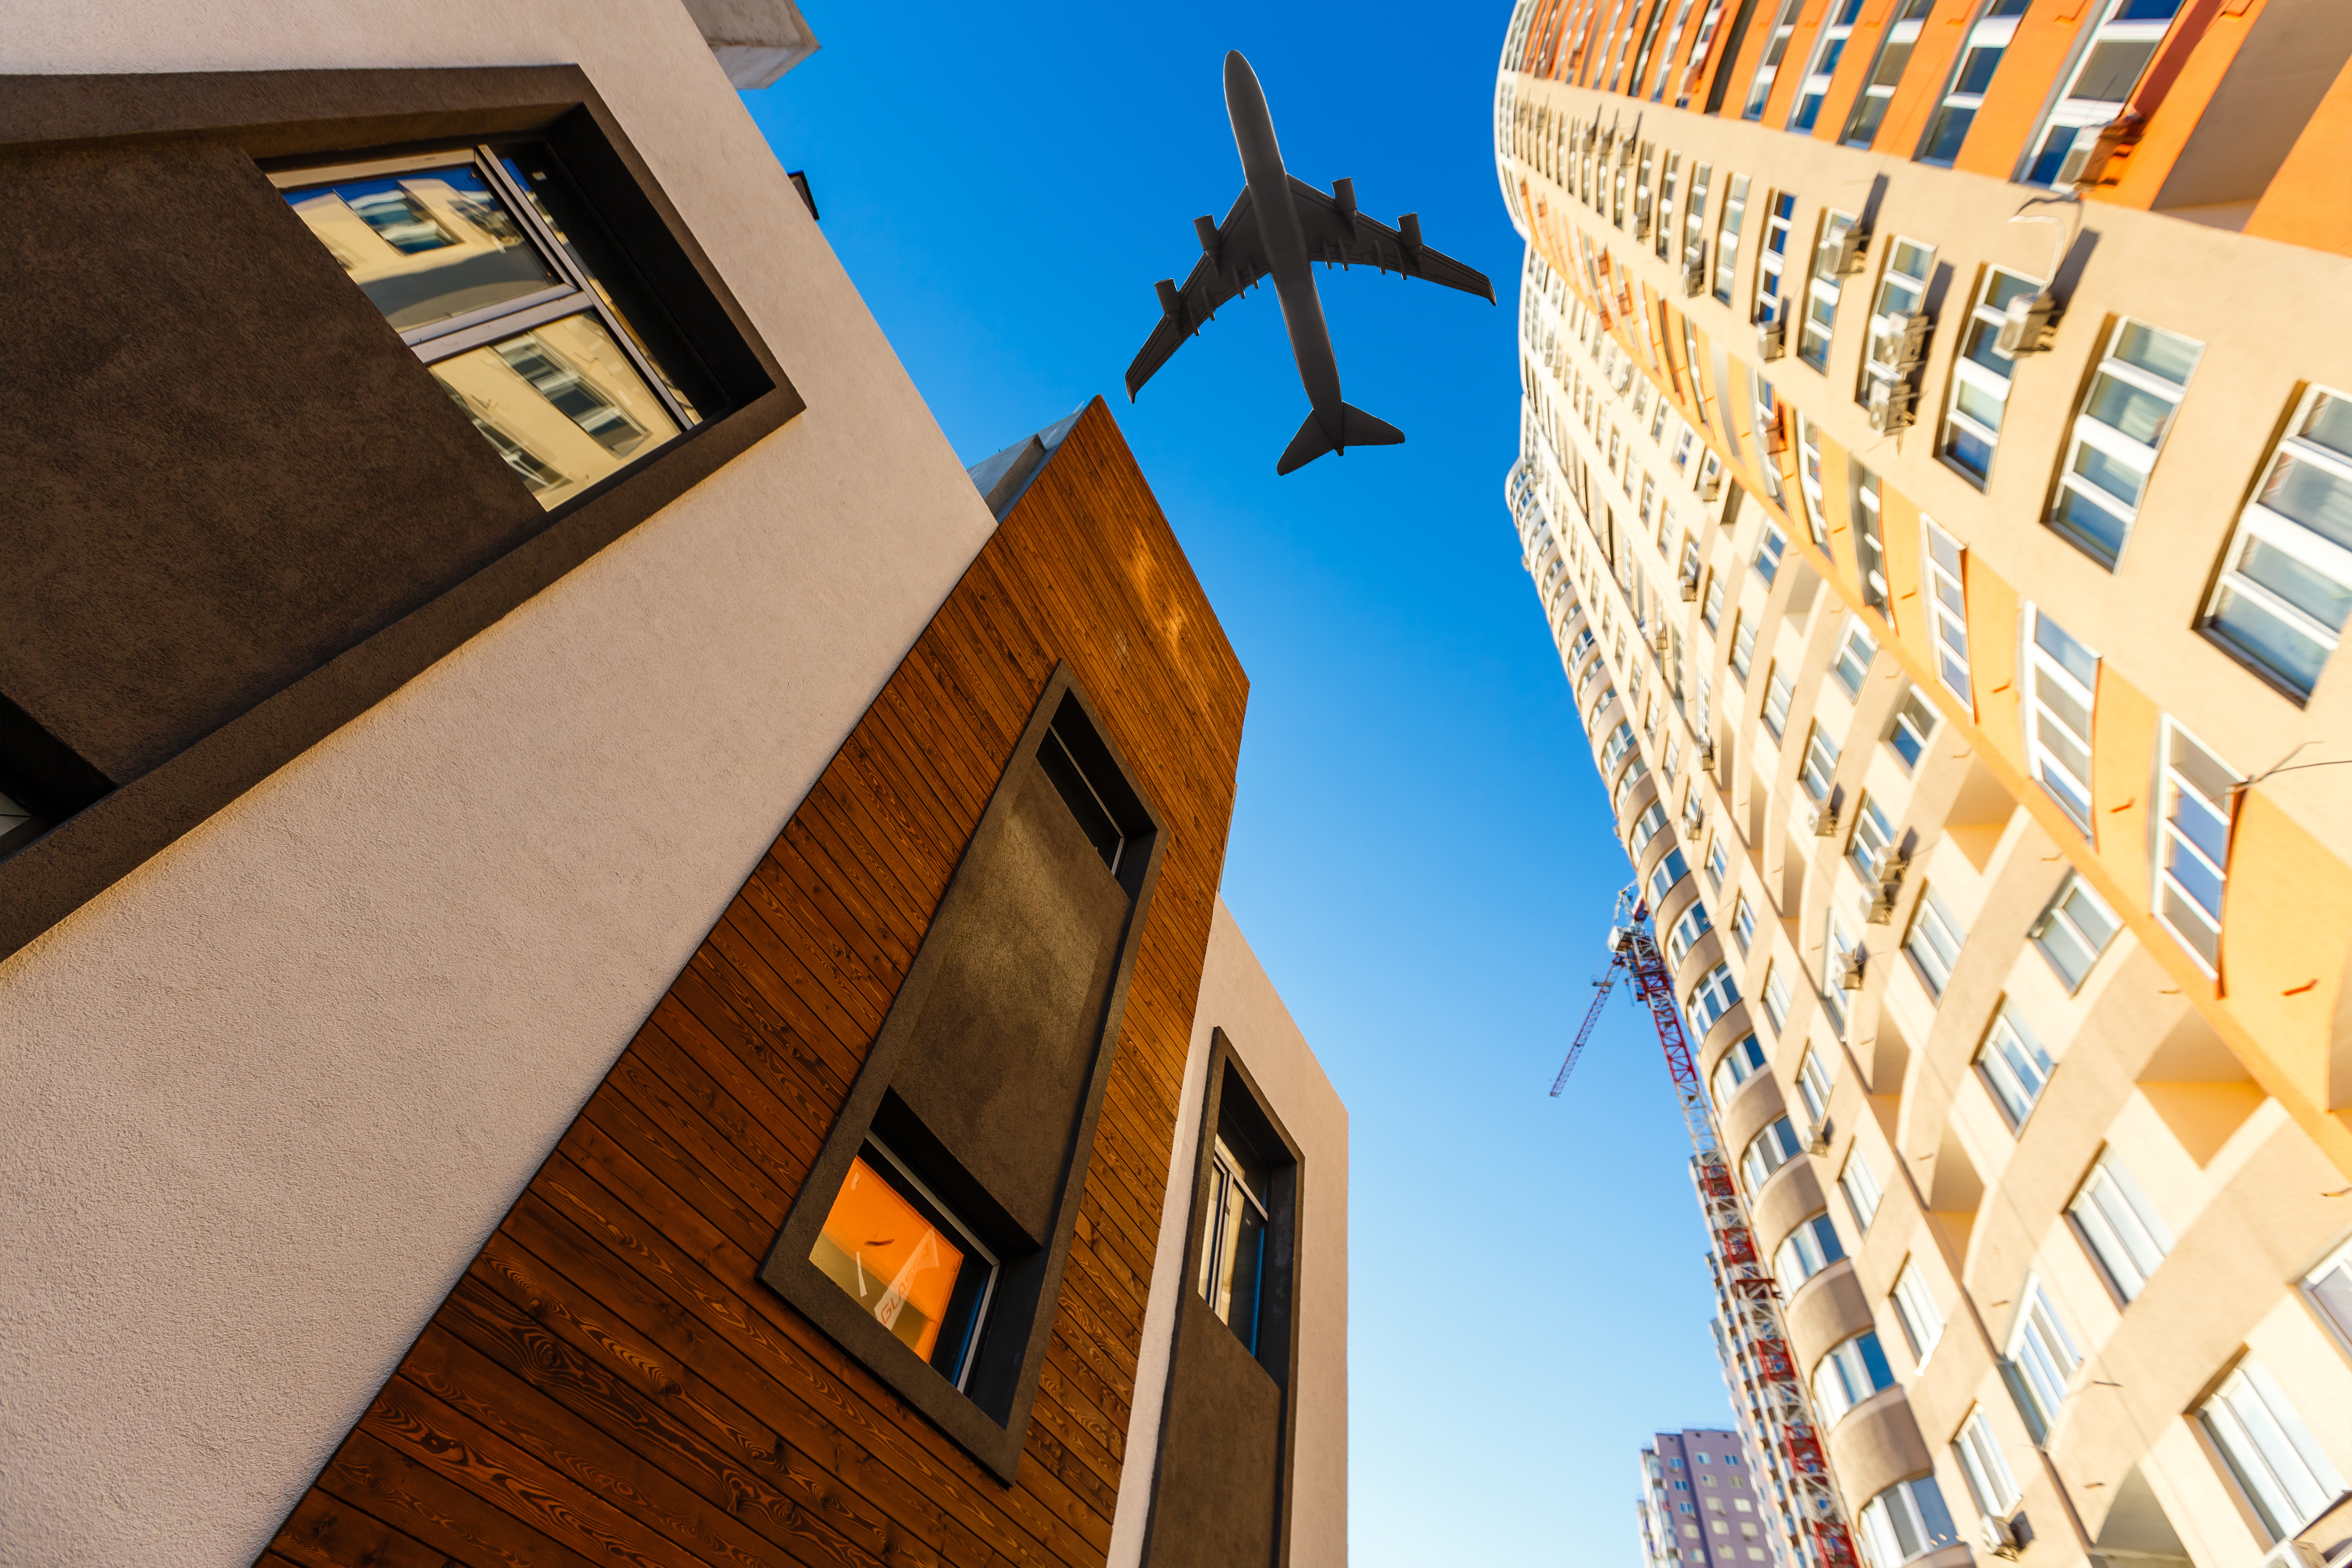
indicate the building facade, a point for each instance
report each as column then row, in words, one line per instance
column 1699, row 1504
column 604, row 954
column 1931, row 474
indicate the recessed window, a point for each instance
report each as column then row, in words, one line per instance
column 2329, row 1286
column 2281, row 1470
column 1813, row 1246
column 1776, row 998
column 1650, row 824
column 1860, row 1185
column 1232, row 1262
column 1744, row 1061
column 889, row 1243
column 1768, row 1151
column 2015, row 1067
column 2117, row 433
column 1688, row 931
column 1986, row 1471
column 1836, row 30
column 1772, row 262
column 2074, row 931
column 1852, row 663
column 1906, row 1520
column 2286, row 582
column 1669, row 176
column 1743, row 645
column 1670, row 870
column 1915, row 1309
column 1764, row 411
column 1898, row 331
column 1718, row 864
column 1085, row 803
column 1980, row 377
column 1988, row 40
column 1934, row 943
column 1849, row 1374
column 1841, row 968
column 1760, row 87
column 1870, row 849
column 1743, row 922
column 2120, row 1226
column 1808, row 477
column 2042, row 1354
column 2113, row 53
column 1914, row 725
column 2192, row 850
column 1885, row 72
column 2061, row 677
column 1822, row 289
column 1815, row 1078
column 493, row 269
column 1947, row 606
column 1711, row 998
column 1820, row 770
column 1776, row 695
column 1695, row 227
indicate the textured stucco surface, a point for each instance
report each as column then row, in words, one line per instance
column 1237, row 996
column 267, row 1095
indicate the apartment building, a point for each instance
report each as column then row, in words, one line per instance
column 604, row 955
column 1933, row 472
column 1699, row 1506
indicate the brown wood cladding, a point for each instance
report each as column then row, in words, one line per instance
column 610, row 1382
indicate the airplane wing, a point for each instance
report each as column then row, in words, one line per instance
column 1340, row 236
column 1238, row 265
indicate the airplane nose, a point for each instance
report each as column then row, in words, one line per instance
column 1239, row 77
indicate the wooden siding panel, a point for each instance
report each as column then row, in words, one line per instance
column 610, row 1381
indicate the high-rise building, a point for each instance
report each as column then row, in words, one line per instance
column 1701, row 1504
column 1936, row 472
column 605, row 954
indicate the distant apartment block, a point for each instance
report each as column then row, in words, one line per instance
column 1936, row 472
column 1700, row 1505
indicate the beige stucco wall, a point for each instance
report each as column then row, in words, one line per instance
column 267, row 1095
column 1237, row 997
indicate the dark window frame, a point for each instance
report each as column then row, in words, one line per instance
column 99, row 829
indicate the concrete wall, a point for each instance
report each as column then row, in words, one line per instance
column 269, row 1094
column 1237, row 997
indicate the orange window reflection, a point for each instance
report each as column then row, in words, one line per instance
column 900, row 1267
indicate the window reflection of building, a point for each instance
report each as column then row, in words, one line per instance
column 561, row 402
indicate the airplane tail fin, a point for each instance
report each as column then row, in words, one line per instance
column 1358, row 428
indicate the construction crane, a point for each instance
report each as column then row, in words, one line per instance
column 1753, row 1300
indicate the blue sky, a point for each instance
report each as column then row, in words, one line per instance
column 1420, row 854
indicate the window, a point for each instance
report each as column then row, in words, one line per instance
column 1744, row 1061
column 1743, row 923
column 1947, row 609
column 1809, row 479
column 2113, row 56
column 1906, row 1520
column 1837, row 26
column 1815, row 1078
column 1768, row 1151
column 1810, row 1247
column 1760, row 90
column 1646, row 828
column 1988, row 40
column 1777, row 695
column 2192, row 851
column 1885, row 72
column 2060, row 676
column 2042, row 1354
column 1765, row 427
column 1771, row 544
column 2330, row 1289
column 1688, row 931
column 2117, row 434
column 1621, row 741
column 1915, row 1309
column 1776, row 998
column 1780, row 215
column 1849, row 1374
column 1980, row 377
column 1855, row 650
column 482, row 259
column 1743, row 645
column 2014, row 1066
column 1913, row 726
column 1233, row 1256
column 1726, row 236
column 1718, row 864
column 2283, row 1471
column 1934, row 943
column 1841, row 968
column 1635, row 772
column 1870, row 849
column 1819, row 769
column 890, row 1243
column 2120, row 1226
column 1869, row 542
column 2286, row 582
column 1711, row 998
column 1712, row 611
column 1668, row 178
column 1990, row 1481
column 1822, row 289
column 2074, row 929
column 1671, row 869
column 1695, row 223
column 1860, row 1185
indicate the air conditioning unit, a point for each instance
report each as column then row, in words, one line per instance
column 1771, row 339
column 1706, row 755
column 1819, row 1143
column 2000, row 1538
column 1890, row 406
column 1825, row 821
column 1775, row 437
column 1641, row 223
column 2293, row 1553
column 1710, row 484
column 1906, row 338
column 1850, row 973
column 1845, row 260
column 1690, row 590
column 1891, row 865
column 2025, row 329
column 1694, row 279
column 1882, row 904
column 1663, row 640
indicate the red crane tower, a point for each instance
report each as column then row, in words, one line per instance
column 1753, row 1300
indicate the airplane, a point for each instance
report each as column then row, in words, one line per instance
column 1277, row 227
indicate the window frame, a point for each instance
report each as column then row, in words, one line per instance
column 2200, row 933
column 2044, row 664
column 1864, row 1209
column 1857, row 637
column 1928, row 917
column 1993, row 28
column 1868, row 113
column 1947, row 607
column 1824, row 289
column 1987, row 314
column 2057, row 914
column 1830, row 34
column 2251, row 1386
column 2003, row 1072
column 1767, row 66
column 2118, row 1227
column 1730, row 218
column 1779, row 693
column 1904, row 723
column 2260, row 526
column 1772, row 256
column 1992, row 1486
column 2066, row 112
column 2046, row 1376
column 2088, row 434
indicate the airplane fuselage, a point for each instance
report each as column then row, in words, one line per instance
column 1286, row 242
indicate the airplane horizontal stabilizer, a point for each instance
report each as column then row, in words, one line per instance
column 1358, row 428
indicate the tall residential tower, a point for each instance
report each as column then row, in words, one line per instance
column 1935, row 468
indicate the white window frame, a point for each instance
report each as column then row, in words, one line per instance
column 1934, row 943
column 1809, row 479
column 1843, row 1377
column 1743, row 922
column 1693, row 925
column 1902, row 291
column 1987, row 315
column 1818, row 772
column 2328, row 1289
column 2120, row 1226
column 1743, row 645
column 2075, row 115
column 1772, row 257
column 1777, row 995
column 1858, row 646
column 2188, row 810
column 2043, row 1354
column 1808, row 1250
column 1716, row 993
column 2063, row 918
column 1663, row 237
column 1815, row 1083
column 1719, row 863
column 2091, row 435
column 2263, row 530
column 1743, row 1061
column 1906, row 724
column 1872, row 838
column 1771, row 548
column 2271, row 1455
column 1837, row 946
column 1922, row 1321
column 1995, row 26
column 1768, row 1154
column 1942, row 559
column 2049, row 683
column 1764, row 413
column 1860, row 1184
column 1878, row 88
column 1768, row 70
column 1985, row 1466
column 1824, row 290
column 1829, row 46
column 1778, row 694
column 1869, row 536
column 1730, row 219
column 2016, row 1068
column 1885, row 1518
